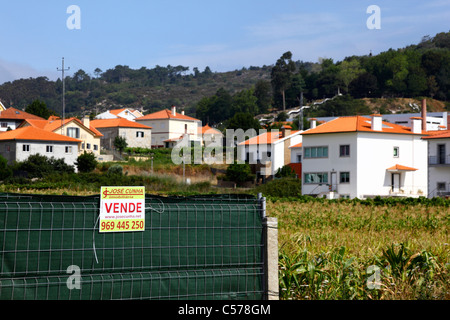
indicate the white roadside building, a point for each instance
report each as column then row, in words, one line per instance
column 362, row 157
column 269, row 151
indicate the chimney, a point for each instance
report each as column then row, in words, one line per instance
column 86, row 121
column 416, row 125
column 377, row 122
column 312, row 123
column 174, row 110
column 285, row 131
column 424, row 115
column 182, row 112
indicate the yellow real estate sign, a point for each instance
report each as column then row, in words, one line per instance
column 122, row 209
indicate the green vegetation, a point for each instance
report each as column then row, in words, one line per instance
column 86, row 162
column 362, row 250
column 414, row 71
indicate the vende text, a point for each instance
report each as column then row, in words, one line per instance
column 124, row 207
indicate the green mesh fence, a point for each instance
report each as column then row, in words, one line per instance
column 202, row 247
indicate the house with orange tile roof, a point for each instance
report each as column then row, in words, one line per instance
column 136, row 134
column 269, row 151
column 170, row 126
column 71, row 127
column 126, row 113
column 19, row 144
column 438, row 163
column 209, row 135
column 12, row 118
column 361, row 157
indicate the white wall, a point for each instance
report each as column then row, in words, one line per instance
column 438, row 173
column 16, row 152
column 333, row 163
column 375, row 155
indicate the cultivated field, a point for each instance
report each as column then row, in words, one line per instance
column 356, row 250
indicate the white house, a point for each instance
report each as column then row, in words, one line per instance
column 19, row 144
column 269, row 151
column 169, row 127
column 438, row 163
column 136, row 134
column 364, row 157
column 71, row 127
column 126, row 113
column 12, row 118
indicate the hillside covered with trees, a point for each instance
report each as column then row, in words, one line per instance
column 420, row 70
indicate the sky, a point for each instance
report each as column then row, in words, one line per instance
column 224, row 35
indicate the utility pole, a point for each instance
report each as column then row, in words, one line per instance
column 63, row 93
column 300, row 118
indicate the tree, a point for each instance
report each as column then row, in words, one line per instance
column 39, row 108
column 120, row 143
column 245, row 101
column 5, row 170
column 239, row 173
column 263, row 95
column 243, row 121
column 285, row 172
column 281, row 75
column 86, row 162
column 348, row 71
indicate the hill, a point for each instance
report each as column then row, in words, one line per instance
column 394, row 76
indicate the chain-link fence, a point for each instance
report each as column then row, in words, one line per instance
column 200, row 247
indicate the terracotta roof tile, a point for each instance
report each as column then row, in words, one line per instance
column 166, row 114
column 118, row 122
column 399, row 167
column 12, row 113
column 356, row 123
column 268, row 137
column 35, row 134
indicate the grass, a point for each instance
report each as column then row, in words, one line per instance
column 328, row 250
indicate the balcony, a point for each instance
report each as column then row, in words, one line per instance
column 439, row 160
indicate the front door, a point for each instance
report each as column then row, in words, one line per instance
column 396, row 182
column 333, row 181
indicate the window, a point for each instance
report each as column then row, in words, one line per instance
column 316, row 152
column 441, row 186
column 88, row 146
column 82, row 146
column 49, row 149
column 344, row 150
column 139, row 134
column 299, row 158
column 73, row 132
column 26, row 148
column 344, row 177
column 68, row 149
column 316, row 177
column 396, row 152
column 95, row 147
column 4, row 124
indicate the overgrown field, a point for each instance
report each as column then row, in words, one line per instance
column 362, row 250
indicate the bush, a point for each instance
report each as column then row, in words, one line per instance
column 5, row 170
column 285, row 172
column 38, row 166
column 86, row 162
column 115, row 169
column 239, row 173
column 281, row 188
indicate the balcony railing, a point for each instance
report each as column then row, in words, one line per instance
column 439, row 160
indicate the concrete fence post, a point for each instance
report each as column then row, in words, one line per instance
column 271, row 256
